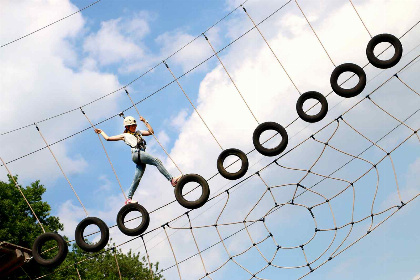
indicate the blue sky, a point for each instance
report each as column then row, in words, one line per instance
column 110, row 44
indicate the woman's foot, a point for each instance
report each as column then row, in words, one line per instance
column 175, row 180
column 130, row 201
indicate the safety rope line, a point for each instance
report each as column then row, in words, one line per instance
column 170, row 244
column 385, row 151
column 137, row 78
column 360, row 18
column 20, row 38
column 106, row 153
column 313, row 30
column 154, row 136
column 147, row 254
column 62, row 171
column 195, row 109
column 272, row 51
column 230, row 77
column 389, row 114
column 21, row 192
column 116, row 261
column 196, row 245
column 27, row 275
column 398, row 77
column 77, row 270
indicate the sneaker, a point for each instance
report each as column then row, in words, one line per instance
column 175, row 180
column 130, row 201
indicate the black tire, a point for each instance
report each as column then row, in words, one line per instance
column 384, row 38
column 62, row 249
column 127, row 209
column 232, row 152
column 312, row 95
column 81, row 228
column 351, row 92
column 270, row 126
column 204, row 195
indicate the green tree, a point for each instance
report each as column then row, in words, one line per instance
column 19, row 226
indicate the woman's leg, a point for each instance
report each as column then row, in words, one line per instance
column 148, row 159
column 137, row 177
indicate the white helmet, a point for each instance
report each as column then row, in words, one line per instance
column 129, row 121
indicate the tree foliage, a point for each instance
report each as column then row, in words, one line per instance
column 19, row 226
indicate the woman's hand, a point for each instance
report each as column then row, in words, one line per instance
column 142, row 119
column 97, row 130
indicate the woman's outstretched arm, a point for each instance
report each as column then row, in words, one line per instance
column 149, row 127
column 108, row 138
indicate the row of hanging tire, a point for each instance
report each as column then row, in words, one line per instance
column 346, row 93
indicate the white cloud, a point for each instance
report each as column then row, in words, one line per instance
column 194, row 53
column 119, row 40
column 179, row 120
column 37, row 83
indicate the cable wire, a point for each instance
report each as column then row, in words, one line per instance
column 20, row 38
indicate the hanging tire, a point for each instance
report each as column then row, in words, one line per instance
column 351, row 92
column 312, row 95
column 270, row 126
column 41, row 240
column 232, row 152
column 144, row 221
column 384, row 38
column 81, row 228
column 204, row 187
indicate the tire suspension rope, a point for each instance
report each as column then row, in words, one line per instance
column 21, row 192
column 272, row 51
column 106, row 153
column 196, row 245
column 195, row 109
column 116, row 261
column 230, row 77
column 398, row 77
column 62, row 171
column 313, row 30
column 78, row 273
column 154, row 136
column 360, row 18
column 62, row 244
column 173, row 252
column 147, row 254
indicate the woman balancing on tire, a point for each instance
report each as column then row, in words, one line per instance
column 134, row 139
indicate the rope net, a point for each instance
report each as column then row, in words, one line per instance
column 283, row 219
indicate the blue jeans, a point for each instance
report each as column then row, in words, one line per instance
column 145, row 158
